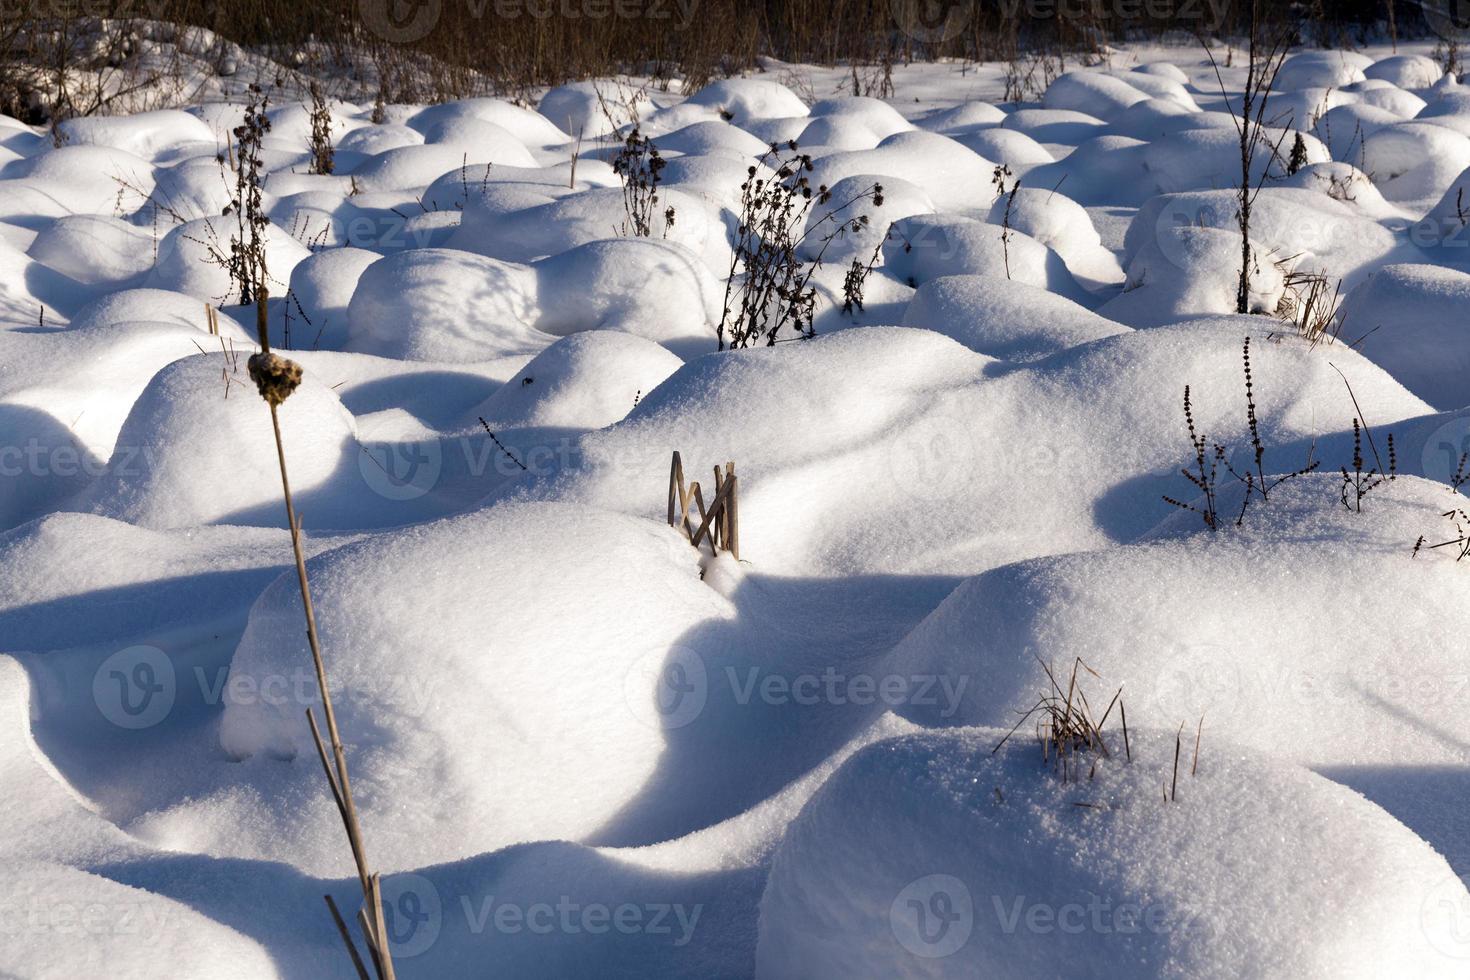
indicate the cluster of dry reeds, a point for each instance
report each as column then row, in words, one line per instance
column 1311, row 303
column 1072, row 736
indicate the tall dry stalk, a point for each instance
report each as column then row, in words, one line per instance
column 1265, row 56
column 277, row 377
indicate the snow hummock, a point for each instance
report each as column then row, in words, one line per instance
column 591, row 672
column 935, row 856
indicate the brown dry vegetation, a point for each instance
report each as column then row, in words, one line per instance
column 423, row 50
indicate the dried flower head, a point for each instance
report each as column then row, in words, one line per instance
column 276, row 376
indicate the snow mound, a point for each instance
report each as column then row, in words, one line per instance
column 528, row 127
column 933, row 428
column 1341, row 641
column 1157, row 118
column 1405, row 105
column 1094, row 93
column 1067, row 126
column 1321, row 69
column 191, row 189
column 592, row 109
column 1006, row 146
column 56, row 567
column 321, row 290
column 1344, row 183
column 1407, row 71
column 852, row 123
column 713, row 137
column 144, row 134
column 1414, row 162
column 67, row 396
column 550, row 723
column 82, row 924
column 1061, row 224
column 1343, row 128
column 849, row 202
column 653, row 289
column 410, row 167
column 934, row 857
column 954, row 177
column 1003, row 318
column 741, row 100
column 192, row 257
column 198, row 448
column 1164, row 69
column 85, row 178
column 873, row 114
column 479, row 139
column 501, row 225
column 925, row 247
column 372, row 140
column 437, row 304
column 1101, row 171
column 1186, row 271
column 1309, row 230
column 584, row 381
column 1448, row 107
column 94, row 249
column 69, row 916
column 965, row 117
column 158, row 306
column 1200, row 159
column 1407, row 319
column 1443, row 229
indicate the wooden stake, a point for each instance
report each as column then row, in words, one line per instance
column 732, row 486
column 706, row 517
column 676, row 477
column 720, row 501
column 719, row 538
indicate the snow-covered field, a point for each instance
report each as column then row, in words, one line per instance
column 581, row 747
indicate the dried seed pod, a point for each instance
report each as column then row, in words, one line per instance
column 274, row 375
